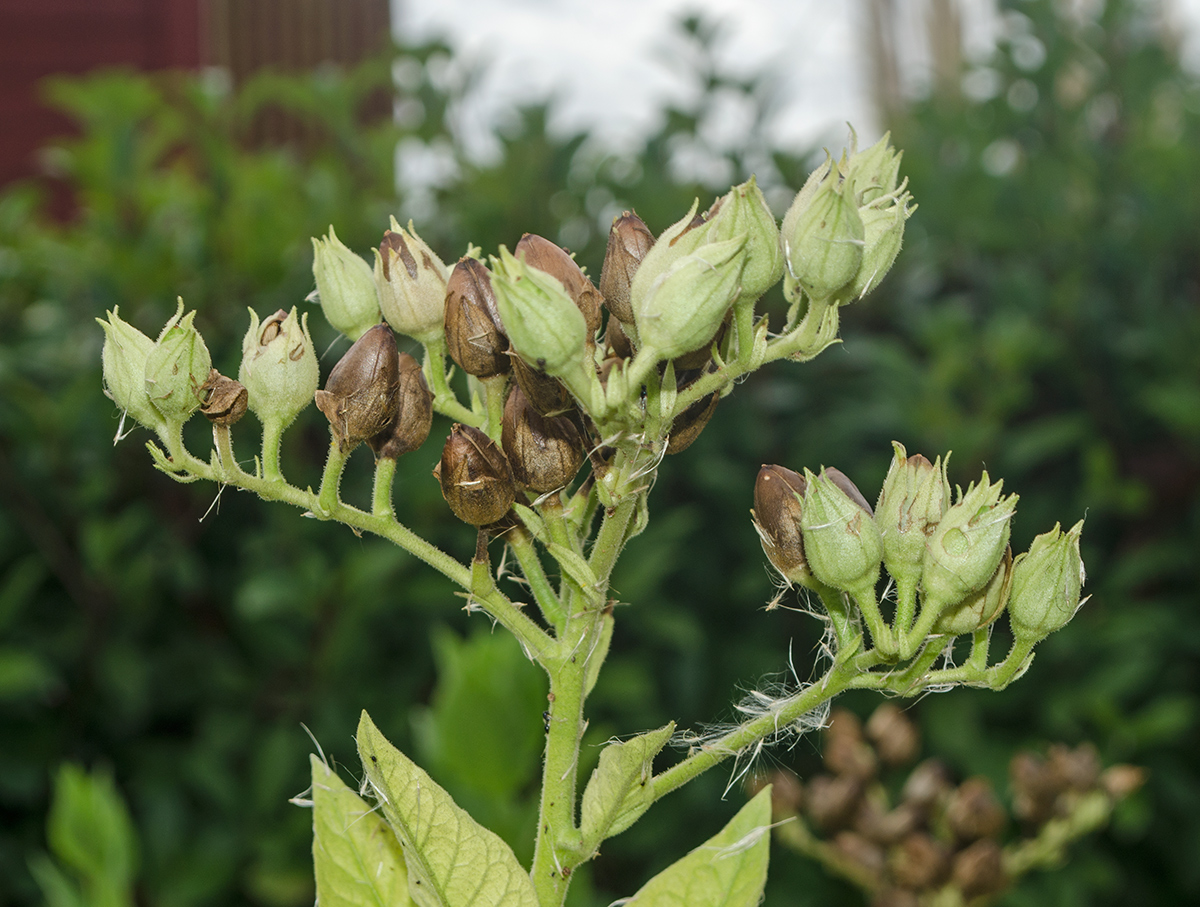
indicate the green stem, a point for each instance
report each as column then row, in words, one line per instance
column 881, row 633
column 494, row 389
column 611, row 539
column 931, row 610
column 327, row 497
column 839, row 615
column 1006, row 672
column 381, row 497
column 906, row 607
column 223, row 441
column 272, row 438
column 743, row 323
column 444, row 399
column 531, row 567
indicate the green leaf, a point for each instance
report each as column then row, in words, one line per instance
column 616, row 794
column 452, row 860
column 574, row 565
column 356, row 858
column 728, row 870
column 599, row 653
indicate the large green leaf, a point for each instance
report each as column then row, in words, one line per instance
column 452, row 860
column 727, row 870
column 616, row 795
column 356, row 858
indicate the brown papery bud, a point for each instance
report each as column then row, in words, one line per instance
column 628, row 242
column 414, row 414
column 882, row 825
column 862, row 852
column 1119, row 781
column 974, row 812
column 894, row 735
column 222, row 400
column 979, row 870
column 544, row 255
column 778, row 492
column 545, row 393
column 895, row 897
column 359, row 398
column 919, row 862
column 688, row 424
column 1078, row 769
column 545, row 452
column 832, row 801
column 928, row 783
column 474, row 336
column 842, row 481
column 1035, row 787
column 844, row 749
column 477, row 481
column 617, row 340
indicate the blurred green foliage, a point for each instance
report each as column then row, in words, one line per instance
column 1042, row 321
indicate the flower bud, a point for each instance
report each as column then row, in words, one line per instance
column 124, row 356
column 544, row 255
column 894, row 735
column 413, row 417
column 919, row 862
column 474, row 337
column 279, row 368
column 823, row 233
column 778, row 496
column 543, row 323
column 982, row 606
column 176, row 367
column 411, row 281
column 683, row 309
column 679, row 240
column 883, row 234
column 1046, row 585
column 629, row 241
column 967, row 546
column 617, row 340
column 477, row 481
column 744, row 211
column 979, row 870
column 544, row 452
column 345, row 287
column 841, row 539
column 702, row 356
column 222, row 400
column 914, row 496
column 876, row 170
column 359, row 398
column 974, row 812
column 544, row 393
column 688, row 424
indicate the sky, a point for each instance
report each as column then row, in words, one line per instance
column 607, row 63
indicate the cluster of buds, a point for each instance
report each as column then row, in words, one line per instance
column 937, row 842
column 952, row 567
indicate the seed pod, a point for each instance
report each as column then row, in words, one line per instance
column 477, row 481
column 777, row 507
column 688, row 424
column 222, row 400
column 981, row 607
column 919, row 862
column 359, row 398
column 545, row 394
column 279, row 367
column 617, row 340
column 927, row 784
column 474, row 336
column 345, row 287
column 863, row 853
column 844, row 750
column 1035, row 786
column 895, row 737
column 411, row 281
column 628, row 242
column 979, row 870
column 544, row 452
column 831, row 801
column 544, row 255
column 177, row 365
column 841, row 539
column 974, row 812
column 414, row 414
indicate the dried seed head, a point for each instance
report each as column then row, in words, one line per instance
column 222, row 400
column 688, row 424
column 919, row 862
column 979, row 870
column 544, row 255
column 414, row 413
column 832, row 800
column 546, row 394
column 862, row 852
column 617, row 340
column 477, row 481
column 628, row 242
column 1035, row 787
column 895, row 736
column 474, row 336
column 545, row 452
column 778, row 492
column 359, row 398
column 844, row 750
column 1120, row 781
column 928, row 783
column 974, row 812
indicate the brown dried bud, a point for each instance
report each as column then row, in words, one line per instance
column 778, row 492
column 1035, row 787
column 688, row 424
column 1119, row 781
column 222, row 400
column 545, row 393
column 477, row 481
column 844, row 749
column 865, row 855
column 896, row 738
column 359, row 398
column 413, row 417
column 974, row 812
column 628, row 242
column 928, row 783
column 1077, row 769
column 545, row 452
column 895, row 897
column 874, row 820
column 832, row 800
column 919, row 862
column 979, row 870
column 474, row 335
column 617, row 340
column 842, row 481
column 544, row 255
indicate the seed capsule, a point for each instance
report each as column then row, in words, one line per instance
column 359, row 398
column 545, row 452
column 545, row 394
column 778, row 492
column 628, row 242
column 689, row 423
column 413, row 417
column 475, row 338
column 477, row 481
column 222, row 400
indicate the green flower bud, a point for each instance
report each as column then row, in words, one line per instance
column 538, row 252
column 744, row 211
column 543, row 323
column 883, row 231
column 841, row 540
column 683, row 309
column 778, row 495
column 629, row 241
column 980, row 608
column 279, row 367
column 913, row 499
column 682, row 238
column 967, row 546
column 124, row 356
column 823, row 233
column 345, row 287
column 876, row 170
column 177, row 367
column 411, row 281
column 1047, row 582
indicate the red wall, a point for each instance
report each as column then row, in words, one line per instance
column 44, row 37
